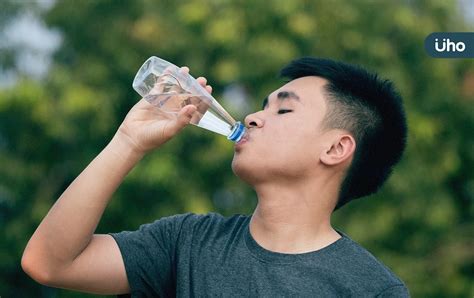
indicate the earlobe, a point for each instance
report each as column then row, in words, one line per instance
column 341, row 150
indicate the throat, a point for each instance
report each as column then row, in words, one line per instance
column 291, row 239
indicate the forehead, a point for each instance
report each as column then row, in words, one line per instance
column 309, row 90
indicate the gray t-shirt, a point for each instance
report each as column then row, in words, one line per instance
column 214, row 256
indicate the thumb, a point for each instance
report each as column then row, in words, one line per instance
column 184, row 116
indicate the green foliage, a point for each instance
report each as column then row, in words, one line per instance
column 420, row 224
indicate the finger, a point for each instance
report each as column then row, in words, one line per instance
column 202, row 81
column 184, row 69
column 209, row 88
column 185, row 115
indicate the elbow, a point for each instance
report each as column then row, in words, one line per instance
column 34, row 268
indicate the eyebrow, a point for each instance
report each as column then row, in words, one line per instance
column 282, row 96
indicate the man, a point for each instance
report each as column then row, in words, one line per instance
column 330, row 135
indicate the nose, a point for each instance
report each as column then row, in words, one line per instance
column 254, row 120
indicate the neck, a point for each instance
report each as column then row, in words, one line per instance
column 294, row 217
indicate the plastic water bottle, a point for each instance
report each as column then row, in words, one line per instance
column 165, row 86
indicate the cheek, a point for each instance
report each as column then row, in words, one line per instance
column 279, row 147
column 298, row 148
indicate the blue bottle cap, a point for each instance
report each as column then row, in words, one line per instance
column 237, row 132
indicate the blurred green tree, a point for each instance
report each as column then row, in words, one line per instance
column 420, row 224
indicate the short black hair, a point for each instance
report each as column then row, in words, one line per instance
column 371, row 109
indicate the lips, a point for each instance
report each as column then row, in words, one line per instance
column 243, row 140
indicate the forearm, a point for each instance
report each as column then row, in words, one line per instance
column 68, row 227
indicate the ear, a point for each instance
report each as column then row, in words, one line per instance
column 340, row 150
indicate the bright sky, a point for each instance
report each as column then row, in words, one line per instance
column 33, row 44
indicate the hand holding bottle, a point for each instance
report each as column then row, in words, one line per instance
column 162, row 84
column 146, row 127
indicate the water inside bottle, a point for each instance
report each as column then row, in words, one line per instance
column 168, row 94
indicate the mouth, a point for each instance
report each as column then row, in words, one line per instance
column 243, row 140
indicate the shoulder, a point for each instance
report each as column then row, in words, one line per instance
column 210, row 229
column 394, row 291
column 212, row 221
column 175, row 224
column 367, row 271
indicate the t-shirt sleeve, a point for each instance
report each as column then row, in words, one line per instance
column 149, row 256
column 395, row 291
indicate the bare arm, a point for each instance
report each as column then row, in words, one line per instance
column 63, row 251
column 68, row 228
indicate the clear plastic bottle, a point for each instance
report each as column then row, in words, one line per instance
column 163, row 85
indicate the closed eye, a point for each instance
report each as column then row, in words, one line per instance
column 283, row 111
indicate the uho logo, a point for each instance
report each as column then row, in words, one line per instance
column 450, row 44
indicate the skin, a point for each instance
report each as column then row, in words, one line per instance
column 294, row 167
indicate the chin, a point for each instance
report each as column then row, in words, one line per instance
column 237, row 165
column 244, row 169
column 251, row 171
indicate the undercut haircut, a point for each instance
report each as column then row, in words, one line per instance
column 370, row 109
